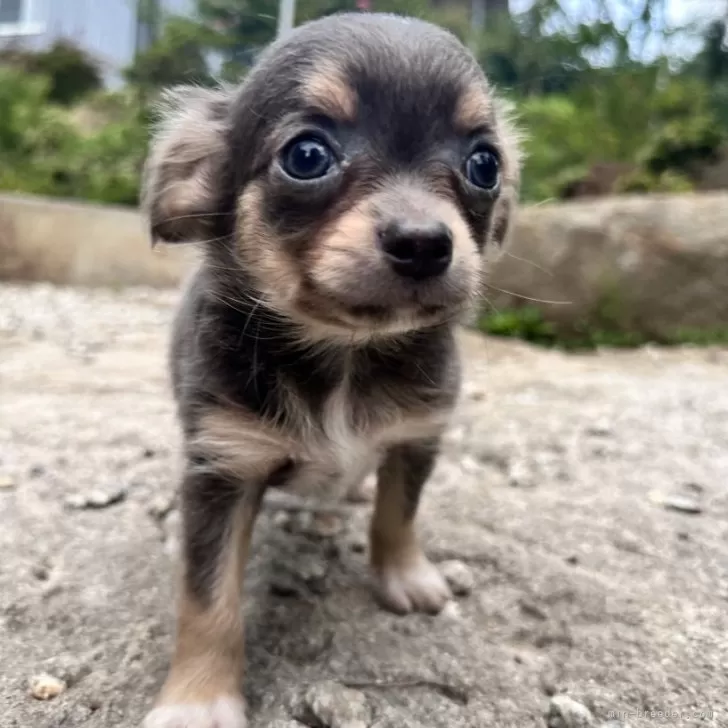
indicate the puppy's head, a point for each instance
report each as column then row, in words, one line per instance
column 357, row 177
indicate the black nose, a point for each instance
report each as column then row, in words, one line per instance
column 417, row 250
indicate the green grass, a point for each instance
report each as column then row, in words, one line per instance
column 529, row 324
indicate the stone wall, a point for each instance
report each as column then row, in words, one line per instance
column 82, row 244
column 654, row 264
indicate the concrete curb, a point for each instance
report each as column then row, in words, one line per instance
column 653, row 264
column 649, row 264
column 82, row 244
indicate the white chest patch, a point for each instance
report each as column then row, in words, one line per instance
column 335, row 455
column 330, row 454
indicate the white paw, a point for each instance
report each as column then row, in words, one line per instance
column 416, row 585
column 227, row 712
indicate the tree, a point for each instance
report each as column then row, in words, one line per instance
column 180, row 55
column 241, row 28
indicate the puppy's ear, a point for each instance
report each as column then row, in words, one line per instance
column 510, row 138
column 182, row 174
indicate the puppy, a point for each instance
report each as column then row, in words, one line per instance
column 344, row 198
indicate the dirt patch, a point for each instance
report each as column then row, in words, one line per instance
column 583, row 499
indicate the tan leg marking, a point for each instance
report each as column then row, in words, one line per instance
column 203, row 686
column 405, row 579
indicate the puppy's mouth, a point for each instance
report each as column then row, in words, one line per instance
column 380, row 309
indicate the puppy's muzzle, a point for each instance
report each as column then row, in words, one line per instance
column 416, row 250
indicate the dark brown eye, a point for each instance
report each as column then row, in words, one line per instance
column 482, row 169
column 307, row 158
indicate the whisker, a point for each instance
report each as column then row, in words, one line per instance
column 528, row 298
column 196, row 215
column 530, row 262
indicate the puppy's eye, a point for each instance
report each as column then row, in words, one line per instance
column 307, row 158
column 482, row 169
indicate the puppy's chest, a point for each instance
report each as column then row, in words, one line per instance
column 348, row 437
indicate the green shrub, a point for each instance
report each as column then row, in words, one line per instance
column 605, row 328
column 71, row 72
column 681, row 144
column 523, row 323
column 668, row 130
column 646, row 182
column 44, row 152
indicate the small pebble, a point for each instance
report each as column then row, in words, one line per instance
column 565, row 712
column 67, row 668
column 6, row 482
column 459, row 576
column 490, row 455
column 683, row 504
column 46, row 687
column 160, row 507
column 284, row 585
column 599, row 429
column 95, row 499
column 40, row 572
column 451, row 611
column 51, row 589
column 469, row 464
column 547, row 683
column 531, row 609
column 325, row 525
column 521, row 476
column 685, row 499
column 332, row 705
column 281, row 519
column 357, row 543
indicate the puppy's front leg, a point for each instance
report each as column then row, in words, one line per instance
column 405, row 579
column 202, row 689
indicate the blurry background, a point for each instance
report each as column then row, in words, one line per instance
column 619, row 97
column 580, row 507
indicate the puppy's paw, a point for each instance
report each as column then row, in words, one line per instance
column 224, row 712
column 412, row 584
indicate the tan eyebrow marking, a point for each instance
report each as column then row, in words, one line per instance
column 329, row 91
column 473, row 110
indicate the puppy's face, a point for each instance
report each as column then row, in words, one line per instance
column 358, row 176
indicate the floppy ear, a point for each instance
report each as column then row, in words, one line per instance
column 185, row 163
column 510, row 138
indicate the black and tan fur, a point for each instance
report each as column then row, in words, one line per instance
column 300, row 359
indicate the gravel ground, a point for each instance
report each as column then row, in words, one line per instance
column 581, row 508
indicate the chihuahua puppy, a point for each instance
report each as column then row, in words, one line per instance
column 344, row 196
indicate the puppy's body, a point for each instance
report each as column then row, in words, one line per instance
column 345, row 195
column 318, row 418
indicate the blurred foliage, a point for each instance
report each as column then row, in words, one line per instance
column 43, row 152
column 531, row 324
column 237, row 30
column 525, row 323
column 71, row 73
column 179, row 56
column 593, row 87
